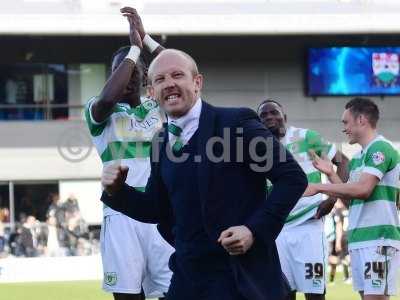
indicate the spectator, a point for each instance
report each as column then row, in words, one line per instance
column 2, row 235
column 28, row 237
column 53, row 244
column 71, row 205
column 55, row 209
column 15, row 242
column 77, row 229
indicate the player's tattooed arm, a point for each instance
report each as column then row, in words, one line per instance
column 117, row 83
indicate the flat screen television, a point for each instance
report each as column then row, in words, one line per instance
column 344, row 71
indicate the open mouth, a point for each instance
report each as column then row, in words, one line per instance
column 271, row 124
column 172, row 98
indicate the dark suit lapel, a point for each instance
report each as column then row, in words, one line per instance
column 158, row 146
column 205, row 132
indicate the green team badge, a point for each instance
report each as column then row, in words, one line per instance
column 110, row 278
column 376, row 283
column 317, row 283
column 150, row 104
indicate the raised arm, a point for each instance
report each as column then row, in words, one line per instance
column 152, row 46
column 119, row 79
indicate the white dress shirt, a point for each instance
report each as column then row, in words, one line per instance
column 189, row 123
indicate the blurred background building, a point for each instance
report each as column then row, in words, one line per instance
column 55, row 55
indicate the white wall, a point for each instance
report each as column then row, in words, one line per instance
column 247, row 84
column 46, row 164
column 88, row 193
column 93, row 77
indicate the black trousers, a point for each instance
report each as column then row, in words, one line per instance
column 202, row 284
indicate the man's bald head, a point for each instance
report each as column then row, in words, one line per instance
column 166, row 55
column 174, row 81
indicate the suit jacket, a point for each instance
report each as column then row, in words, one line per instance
column 232, row 192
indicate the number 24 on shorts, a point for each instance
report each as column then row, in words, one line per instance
column 377, row 267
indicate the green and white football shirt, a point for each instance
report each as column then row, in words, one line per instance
column 299, row 142
column 375, row 221
column 126, row 137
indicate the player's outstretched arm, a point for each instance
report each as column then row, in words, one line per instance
column 361, row 189
column 325, row 166
column 119, row 79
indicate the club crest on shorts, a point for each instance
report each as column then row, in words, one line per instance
column 378, row 158
column 376, row 283
column 317, row 283
column 110, row 278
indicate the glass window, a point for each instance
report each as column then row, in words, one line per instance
column 37, row 91
column 33, row 91
column 33, row 199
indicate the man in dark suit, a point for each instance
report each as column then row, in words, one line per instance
column 207, row 191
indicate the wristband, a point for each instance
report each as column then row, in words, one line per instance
column 150, row 44
column 133, row 54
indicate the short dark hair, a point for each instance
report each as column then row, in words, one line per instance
column 141, row 64
column 364, row 106
column 122, row 50
column 142, row 61
column 269, row 101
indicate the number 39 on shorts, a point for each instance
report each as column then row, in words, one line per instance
column 314, row 270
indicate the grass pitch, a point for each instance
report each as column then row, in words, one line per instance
column 91, row 290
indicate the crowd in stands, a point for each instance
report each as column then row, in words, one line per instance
column 63, row 233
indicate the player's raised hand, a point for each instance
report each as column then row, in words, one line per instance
column 322, row 164
column 236, row 240
column 132, row 13
column 113, row 178
column 134, row 35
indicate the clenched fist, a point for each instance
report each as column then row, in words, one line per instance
column 236, row 240
column 113, row 178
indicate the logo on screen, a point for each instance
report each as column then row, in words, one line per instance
column 386, row 69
